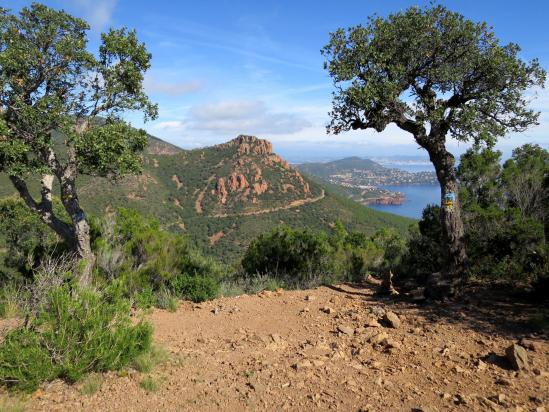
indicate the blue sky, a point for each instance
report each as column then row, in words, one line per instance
column 221, row 68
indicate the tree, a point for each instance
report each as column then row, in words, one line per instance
column 60, row 109
column 435, row 75
column 525, row 178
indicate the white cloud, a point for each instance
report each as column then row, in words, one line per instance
column 96, row 12
column 170, row 125
column 245, row 116
column 153, row 85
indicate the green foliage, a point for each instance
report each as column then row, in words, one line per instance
column 26, row 238
column 504, row 214
column 149, row 384
column 147, row 361
column 151, row 261
column 302, row 258
column 196, row 288
column 288, row 253
column 426, row 253
column 111, row 150
column 91, row 384
column 429, row 55
column 44, row 55
column 76, row 332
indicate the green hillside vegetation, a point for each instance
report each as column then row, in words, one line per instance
column 324, row 170
column 174, row 180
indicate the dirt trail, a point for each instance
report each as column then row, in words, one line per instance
column 312, row 350
column 291, row 205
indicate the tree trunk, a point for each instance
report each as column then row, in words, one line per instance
column 81, row 243
column 450, row 218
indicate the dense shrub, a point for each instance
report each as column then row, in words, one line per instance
column 302, row 258
column 293, row 255
column 194, row 287
column 26, row 238
column 75, row 332
column 149, row 259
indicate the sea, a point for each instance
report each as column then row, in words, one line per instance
column 417, row 196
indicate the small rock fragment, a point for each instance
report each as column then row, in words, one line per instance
column 328, row 310
column 302, row 365
column 530, row 344
column 392, row 320
column 347, row 330
column 372, row 323
column 378, row 338
column 517, row 356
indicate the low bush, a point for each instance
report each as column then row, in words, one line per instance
column 75, row 332
column 302, row 258
column 196, row 288
column 150, row 261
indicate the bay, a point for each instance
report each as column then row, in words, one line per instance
column 417, row 197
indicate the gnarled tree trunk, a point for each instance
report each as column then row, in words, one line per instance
column 451, row 220
column 75, row 235
column 80, row 242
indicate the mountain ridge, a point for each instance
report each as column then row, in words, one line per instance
column 225, row 195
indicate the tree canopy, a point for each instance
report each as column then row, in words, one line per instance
column 430, row 68
column 50, row 84
column 61, row 108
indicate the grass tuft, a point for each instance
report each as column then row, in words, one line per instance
column 146, row 362
column 91, row 384
column 149, row 384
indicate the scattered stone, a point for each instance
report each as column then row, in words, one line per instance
column 310, row 298
column 377, row 311
column 503, row 382
column 347, row 330
column 378, row 338
column 372, row 323
column 373, row 281
column 461, row 399
column 530, row 344
column 491, row 406
column 215, row 310
column 446, row 396
column 501, row 398
column 328, row 310
column 392, row 320
column 391, row 343
column 517, row 356
column 302, row 365
column 480, row 365
column 458, row 369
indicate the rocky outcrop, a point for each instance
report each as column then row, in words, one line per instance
column 237, row 181
column 260, row 187
column 249, row 145
column 221, row 191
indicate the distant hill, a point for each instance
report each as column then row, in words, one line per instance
column 223, row 196
column 324, row 170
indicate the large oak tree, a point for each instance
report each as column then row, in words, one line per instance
column 436, row 75
column 60, row 109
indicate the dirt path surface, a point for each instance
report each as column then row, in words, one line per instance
column 323, row 349
column 291, row 205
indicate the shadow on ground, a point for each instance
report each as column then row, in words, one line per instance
column 496, row 311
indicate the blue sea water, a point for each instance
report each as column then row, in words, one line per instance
column 417, row 197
